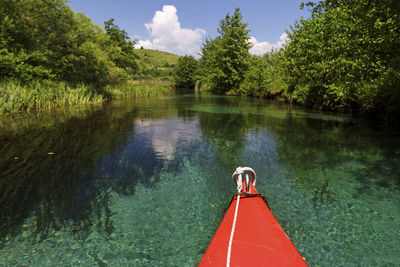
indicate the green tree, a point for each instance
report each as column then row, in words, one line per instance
column 86, row 54
column 264, row 77
column 124, row 56
column 256, row 80
column 185, row 72
column 45, row 39
column 226, row 58
column 346, row 56
column 31, row 37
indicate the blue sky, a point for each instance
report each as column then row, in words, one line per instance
column 180, row 26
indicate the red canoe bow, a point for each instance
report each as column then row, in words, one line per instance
column 257, row 239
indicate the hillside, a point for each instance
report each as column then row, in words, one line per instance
column 155, row 64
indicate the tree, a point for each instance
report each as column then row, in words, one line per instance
column 30, row 37
column 185, row 71
column 45, row 39
column 124, row 56
column 346, row 56
column 226, row 58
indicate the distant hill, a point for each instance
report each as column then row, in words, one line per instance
column 156, row 58
column 155, row 65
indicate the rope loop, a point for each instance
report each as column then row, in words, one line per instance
column 237, row 177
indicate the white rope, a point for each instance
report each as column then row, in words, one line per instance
column 242, row 170
column 239, row 189
column 228, row 256
column 237, row 177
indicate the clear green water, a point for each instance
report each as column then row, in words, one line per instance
column 144, row 182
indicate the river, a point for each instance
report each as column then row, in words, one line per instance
column 143, row 182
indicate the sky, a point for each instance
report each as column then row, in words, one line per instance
column 181, row 26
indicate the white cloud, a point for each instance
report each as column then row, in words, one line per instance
column 260, row 48
column 166, row 34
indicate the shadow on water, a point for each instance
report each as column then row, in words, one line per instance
column 60, row 168
column 318, row 144
column 306, row 141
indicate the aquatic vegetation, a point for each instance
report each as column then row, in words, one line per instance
column 35, row 95
column 16, row 96
column 138, row 89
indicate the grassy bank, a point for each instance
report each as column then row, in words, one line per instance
column 16, row 97
column 138, row 89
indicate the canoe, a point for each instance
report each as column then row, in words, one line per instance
column 249, row 234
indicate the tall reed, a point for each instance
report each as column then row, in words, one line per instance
column 136, row 89
column 15, row 96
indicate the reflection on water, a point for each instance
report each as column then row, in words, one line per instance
column 166, row 134
column 143, row 181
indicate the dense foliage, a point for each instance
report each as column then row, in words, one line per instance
column 124, row 57
column 226, row 65
column 264, row 78
column 45, row 39
column 52, row 57
column 185, row 72
column 346, row 56
column 225, row 59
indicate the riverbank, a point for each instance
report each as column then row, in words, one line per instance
column 18, row 97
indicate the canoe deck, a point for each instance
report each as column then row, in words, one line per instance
column 258, row 238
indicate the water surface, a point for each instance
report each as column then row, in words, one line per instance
column 143, row 182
